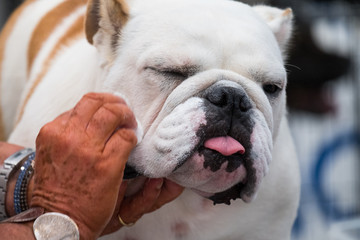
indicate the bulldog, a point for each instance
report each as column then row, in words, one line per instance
column 206, row 81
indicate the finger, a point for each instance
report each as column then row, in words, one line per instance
column 122, row 191
column 62, row 119
column 134, row 207
column 88, row 105
column 114, row 224
column 119, row 201
column 105, row 97
column 54, row 126
column 48, row 134
column 169, row 192
column 109, row 118
column 118, row 148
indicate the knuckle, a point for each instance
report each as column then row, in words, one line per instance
column 46, row 131
column 128, row 136
column 91, row 95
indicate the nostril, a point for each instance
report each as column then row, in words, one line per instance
column 229, row 98
column 218, row 97
column 244, row 104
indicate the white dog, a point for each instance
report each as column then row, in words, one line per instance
column 206, row 81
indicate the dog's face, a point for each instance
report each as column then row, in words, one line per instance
column 206, row 81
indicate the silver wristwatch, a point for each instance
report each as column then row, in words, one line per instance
column 5, row 171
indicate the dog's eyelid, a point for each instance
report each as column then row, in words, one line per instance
column 266, row 78
column 278, row 83
column 178, row 71
column 151, row 68
column 167, row 71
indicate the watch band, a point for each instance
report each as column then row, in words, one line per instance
column 5, row 171
column 29, row 215
column 21, row 186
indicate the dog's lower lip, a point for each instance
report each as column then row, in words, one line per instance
column 226, row 196
column 216, row 160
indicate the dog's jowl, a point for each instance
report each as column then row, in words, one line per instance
column 206, row 81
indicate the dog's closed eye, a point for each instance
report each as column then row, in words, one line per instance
column 174, row 72
column 171, row 74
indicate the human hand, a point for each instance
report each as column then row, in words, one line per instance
column 154, row 194
column 80, row 159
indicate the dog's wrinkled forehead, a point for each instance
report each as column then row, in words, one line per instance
column 187, row 40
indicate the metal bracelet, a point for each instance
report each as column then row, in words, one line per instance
column 6, row 170
column 20, row 191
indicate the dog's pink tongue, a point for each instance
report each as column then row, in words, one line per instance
column 225, row 145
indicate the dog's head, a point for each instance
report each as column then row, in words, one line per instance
column 206, row 80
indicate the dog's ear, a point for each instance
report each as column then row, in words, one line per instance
column 280, row 22
column 104, row 21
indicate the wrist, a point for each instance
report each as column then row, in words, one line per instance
column 20, row 226
column 11, row 231
column 42, row 225
column 9, row 197
column 55, row 204
column 6, row 150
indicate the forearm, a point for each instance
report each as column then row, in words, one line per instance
column 14, row 231
column 7, row 149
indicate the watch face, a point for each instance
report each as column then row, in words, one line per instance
column 55, row 226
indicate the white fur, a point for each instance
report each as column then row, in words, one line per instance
column 21, row 34
column 66, row 92
column 51, row 42
column 174, row 137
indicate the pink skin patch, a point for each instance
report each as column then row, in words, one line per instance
column 227, row 145
column 129, row 238
column 180, row 229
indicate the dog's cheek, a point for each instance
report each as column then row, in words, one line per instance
column 261, row 155
column 168, row 145
column 262, row 143
column 175, row 136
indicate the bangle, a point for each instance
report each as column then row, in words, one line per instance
column 20, row 192
column 10, row 166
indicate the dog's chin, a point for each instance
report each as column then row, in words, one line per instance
column 233, row 193
column 221, row 181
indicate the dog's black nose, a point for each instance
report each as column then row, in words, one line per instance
column 229, row 98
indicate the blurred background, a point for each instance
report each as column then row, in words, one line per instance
column 324, row 112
